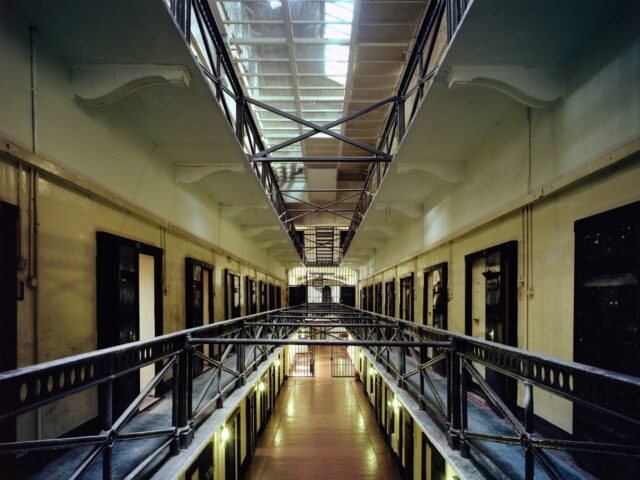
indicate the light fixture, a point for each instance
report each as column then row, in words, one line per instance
column 361, row 355
column 396, row 403
column 224, row 434
column 261, row 386
column 277, row 363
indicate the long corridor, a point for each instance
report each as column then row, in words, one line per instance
column 322, row 428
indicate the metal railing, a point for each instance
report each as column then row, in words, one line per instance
column 414, row 354
column 173, row 355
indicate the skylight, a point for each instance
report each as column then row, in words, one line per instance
column 293, row 55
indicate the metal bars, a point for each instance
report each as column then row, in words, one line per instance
column 398, row 346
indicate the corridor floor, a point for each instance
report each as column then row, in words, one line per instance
column 322, row 428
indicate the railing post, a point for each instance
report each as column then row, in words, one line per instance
column 106, row 412
column 402, row 370
column 184, row 409
column 175, row 395
column 423, row 359
column 453, row 396
column 529, row 429
column 240, row 355
column 464, row 388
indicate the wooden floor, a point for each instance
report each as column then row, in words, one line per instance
column 322, row 428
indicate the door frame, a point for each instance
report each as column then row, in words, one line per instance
column 444, row 268
column 102, row 310
column 189, row 263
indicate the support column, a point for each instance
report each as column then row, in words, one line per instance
column 529, row 459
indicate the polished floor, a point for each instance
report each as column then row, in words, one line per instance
column 322, row 428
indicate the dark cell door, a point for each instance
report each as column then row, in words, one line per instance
column 348, row 296
column 250, row 425
column 297, row 295
column 326, row 294
column 390, row 298
column 264, row 306
column 378, row 298
column 408, row 447
column 272, row 296
column 198, row 301
column 252, row 298
column 232, row 449
column 607, row 325
column 118, row 303
column 406, row 298
column 232, row 295
column 499, row 277
column 435, row 304
column 8, row 309
column 370, row 298
column 278, row 297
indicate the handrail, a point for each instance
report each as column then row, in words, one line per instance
column 406, row 349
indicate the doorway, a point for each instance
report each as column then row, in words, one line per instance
column 406, row 298
column 198, row 301
column 262, row 287
column 129, row 304
column 390, row 298
column 297, row 295
column 378, row 298
column 348, row 296
column 491, row 306
column 435, row 305
column 232, row 448
column 252, row 297
column 607, row 325
column 231, row 294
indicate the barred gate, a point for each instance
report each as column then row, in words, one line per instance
column 301, row 360
column 342, row 361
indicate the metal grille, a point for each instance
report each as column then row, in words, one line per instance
column 301, row 360
column 342, row 361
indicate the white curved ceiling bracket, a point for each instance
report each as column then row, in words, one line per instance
column 193, row 173
column 536, row 87
column 232, row 211
column 102, row 84
column 445, row 172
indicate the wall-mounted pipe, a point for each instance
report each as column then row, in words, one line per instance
column 32, row 280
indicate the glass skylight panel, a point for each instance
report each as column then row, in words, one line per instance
column 315, row 39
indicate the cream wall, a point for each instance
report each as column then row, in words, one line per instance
column 575, row 142
column 100, row 173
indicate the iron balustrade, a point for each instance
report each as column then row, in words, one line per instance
column 410, row 352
